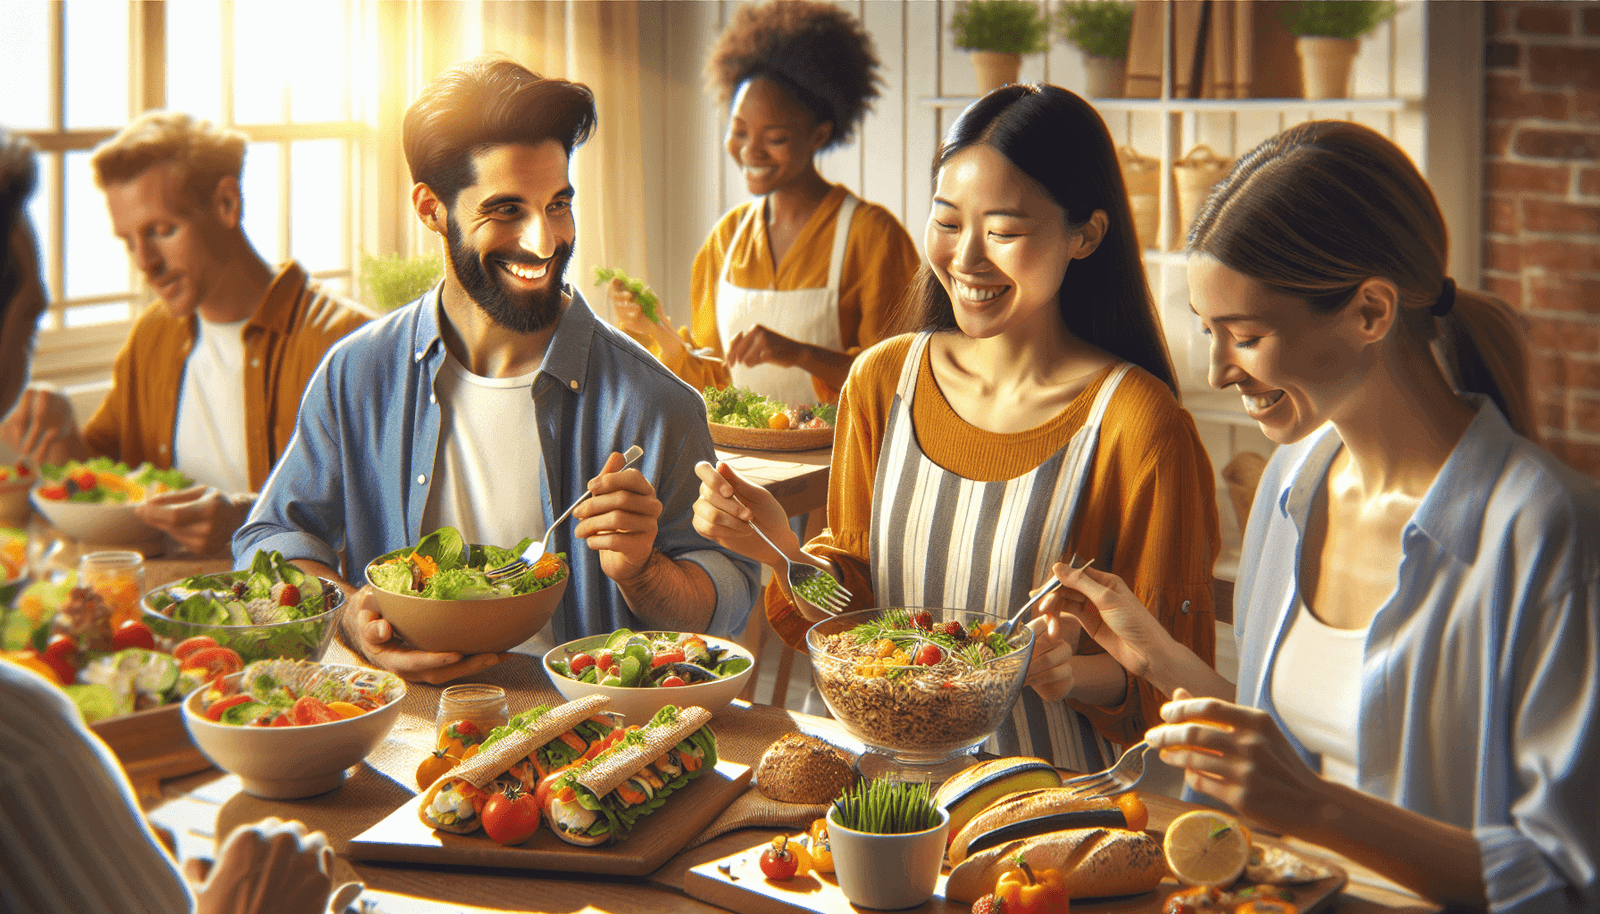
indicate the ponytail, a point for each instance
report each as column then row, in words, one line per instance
column 1486, row 352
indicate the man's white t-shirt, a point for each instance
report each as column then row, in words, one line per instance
column 209, row 443
column 486, row 475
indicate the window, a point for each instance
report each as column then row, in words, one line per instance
column 283, row 73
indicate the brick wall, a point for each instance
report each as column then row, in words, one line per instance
column 1542, row 205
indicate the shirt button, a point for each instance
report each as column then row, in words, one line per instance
column 422, row 480
column 163, row 449
column 573, row 384
column 255, row 363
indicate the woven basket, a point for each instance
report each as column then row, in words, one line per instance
column 768, row 439
column 1195, row 174
column 1142, row 175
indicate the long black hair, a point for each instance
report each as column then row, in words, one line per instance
column 18, row 174
column 1058, row 140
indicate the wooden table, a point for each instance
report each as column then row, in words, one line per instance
column 196, row 807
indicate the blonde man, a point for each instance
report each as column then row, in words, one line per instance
column 211, row 382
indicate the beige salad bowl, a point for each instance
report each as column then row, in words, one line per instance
column 485, row 625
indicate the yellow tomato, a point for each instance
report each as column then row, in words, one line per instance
column 29, row 660
column 821, row 847
column 345, row 709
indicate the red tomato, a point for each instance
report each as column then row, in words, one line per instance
column 778, row 861
column 580, row 662
column 929, row 655
column 672, row 681
column 606, row 660
column 189, row 645
column 667, row 655
column 510, row 817
column 54, row 491
column 216, row 661
column 541, row 793
column 84, row 480
column 282, row 720
column 133, row 633
column 214, row 712
column 61, row 652
column 308, row 710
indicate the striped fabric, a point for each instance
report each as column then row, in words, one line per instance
column 940, row 539
column 72, row 838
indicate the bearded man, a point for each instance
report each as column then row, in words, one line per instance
column 490, row 403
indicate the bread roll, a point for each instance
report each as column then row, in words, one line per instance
column 803, row 769
column 1093, row 862
column 1020, row 806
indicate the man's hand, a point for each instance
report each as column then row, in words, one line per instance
column 374, row 638
column 201, row 519
column 270, row 867
column 41, row 428
column 619, row 520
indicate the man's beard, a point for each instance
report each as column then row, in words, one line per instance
column 515, row 310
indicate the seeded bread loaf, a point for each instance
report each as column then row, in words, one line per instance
column 803, row 769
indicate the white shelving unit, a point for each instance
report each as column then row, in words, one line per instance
column 1420, row 51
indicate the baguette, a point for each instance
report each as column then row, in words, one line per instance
column 1063, row 806
column 1093, row 862
column 975, row 789
column 599, row 801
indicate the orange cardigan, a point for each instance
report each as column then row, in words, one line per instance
column 284, row 342
column 1150, row 504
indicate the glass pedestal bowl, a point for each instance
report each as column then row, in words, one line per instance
column 919, row 721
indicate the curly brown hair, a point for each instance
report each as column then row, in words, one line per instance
column 818, row 52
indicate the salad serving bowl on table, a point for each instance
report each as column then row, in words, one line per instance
column 289, row 762
column 720, row 679
column 471, row 615
column 106, row 523
column 94, row 501
column 225, row 607
column 927, row 699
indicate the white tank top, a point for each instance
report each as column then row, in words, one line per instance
column 1316, row 687
column 209, row 440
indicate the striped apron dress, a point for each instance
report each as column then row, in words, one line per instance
column 942, row 540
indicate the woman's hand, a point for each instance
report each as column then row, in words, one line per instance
column 1109, row 613
column 1239, row 756
column 628, row 315
column 1055, row 639
column 761, row 346
column 728, row 502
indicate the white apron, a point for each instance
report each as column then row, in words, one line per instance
column 939, row 539
column 807, row 315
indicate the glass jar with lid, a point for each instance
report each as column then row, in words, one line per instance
column 118, row 577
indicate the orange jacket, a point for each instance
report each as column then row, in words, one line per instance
column 283, row 344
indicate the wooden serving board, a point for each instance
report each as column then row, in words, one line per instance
column 741, row 887
column 402, row 837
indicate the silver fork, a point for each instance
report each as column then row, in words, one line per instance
column 536, row 549
column 811, row 583
column 1119, row 778
column 1007, row 627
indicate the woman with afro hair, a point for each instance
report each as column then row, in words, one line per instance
column 790, row 286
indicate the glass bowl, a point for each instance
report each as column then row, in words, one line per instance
column 298, row 639
column 918, row 721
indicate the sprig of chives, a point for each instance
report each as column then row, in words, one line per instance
column 882, row 807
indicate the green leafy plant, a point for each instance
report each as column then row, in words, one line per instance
column 1100, row 28
column 393, row 280
column 880, row 807
column 1012, row 26
column 1335, row 18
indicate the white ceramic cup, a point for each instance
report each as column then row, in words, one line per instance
column 888, row 872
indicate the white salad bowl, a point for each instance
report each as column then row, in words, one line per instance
column 639, row 704
column 285, row 763
column 100, row 523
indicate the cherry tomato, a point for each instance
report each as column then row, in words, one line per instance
column 309, row 710
column 606, row 661
column 434, row 766
column 821, row 847
column 510, row 817
column 282, row 720
column 33, row 660
column 672, row 681
column 1133, row 809
column 461, row 739
column 215, row 709
column 54, row 491
column 580, row 662
column 189, row 645
column 667, row 655
column 215, row 661
column 779, row 860
column 61, row 653
column 541, row 793
column 84, row 480
column 929, row 655
column 133, row 633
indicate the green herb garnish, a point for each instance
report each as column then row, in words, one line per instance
column 641, row 293
column 881, row 807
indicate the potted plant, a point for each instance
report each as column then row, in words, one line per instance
column 888, row 841
column 1100, row 29
column 393, row 280
column 998, row 33
column 1327, row 34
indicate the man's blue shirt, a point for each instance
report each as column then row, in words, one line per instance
column 355, row 478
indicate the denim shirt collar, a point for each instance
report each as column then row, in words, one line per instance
column 566, row 360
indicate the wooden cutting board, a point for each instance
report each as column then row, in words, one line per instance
column 402, row 838
column 742, row 888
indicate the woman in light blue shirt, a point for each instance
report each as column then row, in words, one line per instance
column 1417, row 602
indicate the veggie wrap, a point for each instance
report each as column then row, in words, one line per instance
column 455, row 801
column 599, row 801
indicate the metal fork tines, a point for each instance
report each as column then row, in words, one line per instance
column 810, row 583
column 1119, row 778
column 537, row 548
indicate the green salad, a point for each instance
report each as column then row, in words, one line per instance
column 252, row 604
column 443, row 567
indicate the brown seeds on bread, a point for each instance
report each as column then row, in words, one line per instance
column 803, row 769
